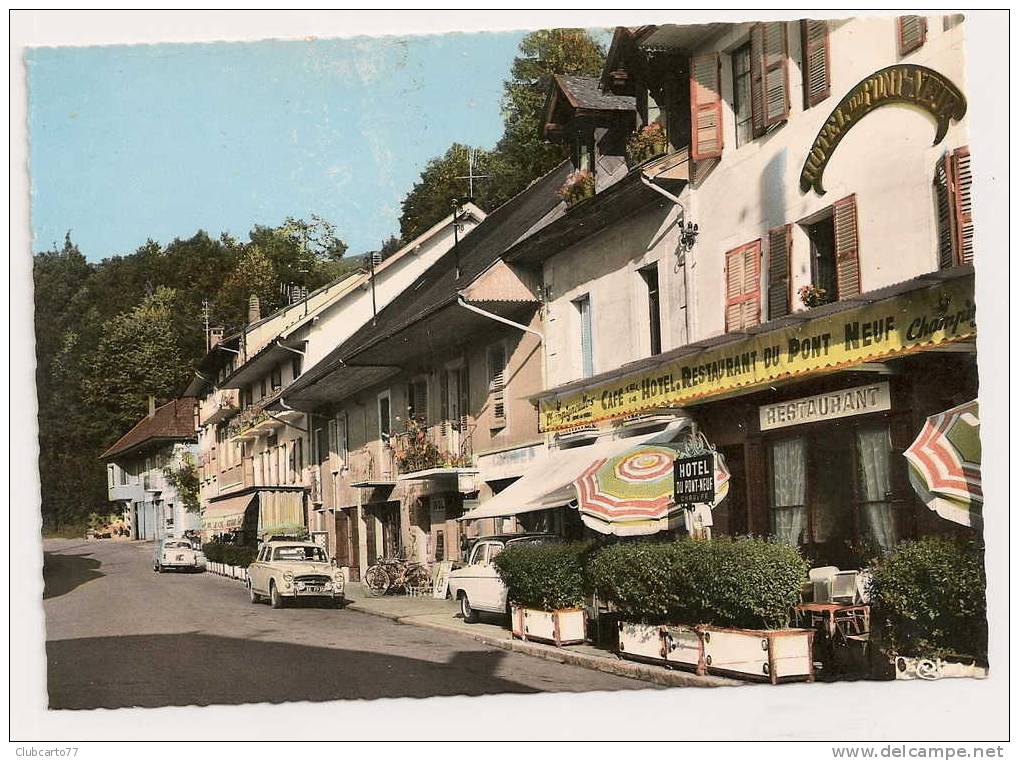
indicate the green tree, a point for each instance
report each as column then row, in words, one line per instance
column 431, row 197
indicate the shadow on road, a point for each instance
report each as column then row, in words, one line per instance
column 199, row 669
column 63, row 573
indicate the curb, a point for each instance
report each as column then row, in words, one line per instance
column 616, row 666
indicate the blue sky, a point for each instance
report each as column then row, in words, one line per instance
column 158, row 141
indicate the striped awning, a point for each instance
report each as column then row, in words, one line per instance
column 281, row 512
column 226, row 514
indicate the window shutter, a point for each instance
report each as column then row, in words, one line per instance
column 706, row 106
column 847, row 248
column 944, row 182
column 464, row 395
column 743, row 287
column 444, row 402
column 341, row 442
column 816, row 62
column 776, row 73
column 757, row 79
column 912, row 33
column 496, row 382
column 334, row 464
column 421, row 401
column 780, row 242
column 963, row 205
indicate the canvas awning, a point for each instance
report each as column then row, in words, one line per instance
column 280, row 512
column 549, row 483
column 226, row 514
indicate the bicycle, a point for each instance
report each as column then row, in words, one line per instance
column 392, row 574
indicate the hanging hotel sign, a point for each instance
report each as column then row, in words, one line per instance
column 903, row 83
column 913, row 321
column 695, row 479
column 860, row 400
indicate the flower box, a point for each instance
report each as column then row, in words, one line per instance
column 769, row 655
column 670, row 646
column 567, row 626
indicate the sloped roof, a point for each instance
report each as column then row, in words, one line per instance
column 174, row 421
column 438, row 287
column 585, row 92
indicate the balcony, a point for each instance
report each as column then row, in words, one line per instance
column 437, row 452
column 218, row 406
column 237, row 476
column 153, row 482
column 253, row 423
column 131, row 492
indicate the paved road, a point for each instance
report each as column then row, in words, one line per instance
column 120, row 635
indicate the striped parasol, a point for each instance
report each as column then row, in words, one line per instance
column 632, row 494
column 944, row 465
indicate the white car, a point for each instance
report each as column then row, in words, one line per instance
column 290, row 570
column 177, row 555
column 477, row 585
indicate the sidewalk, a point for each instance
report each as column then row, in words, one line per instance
column 444, row 615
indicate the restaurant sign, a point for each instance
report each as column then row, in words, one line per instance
column 860, row 400
column 906, row 83
column 913, row 321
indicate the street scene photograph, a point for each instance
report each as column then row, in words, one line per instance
column 625, row 360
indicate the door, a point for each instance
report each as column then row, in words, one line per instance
column 483, row 585
column 256, row 574
column 342, row 538
column 369, row 536
column 353, row 544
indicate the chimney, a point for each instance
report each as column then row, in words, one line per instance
column 254, row 309
column 215, row 336
column 152, row 406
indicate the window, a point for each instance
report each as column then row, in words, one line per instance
column 440, row 546
column 338, row 443
column 583, row 305
column 417, row 401
column 741, row 107
column 911, row 32
column 822, row 257
column 261, row 389
column 816, row 62
column 496, row 357
column 249, row 394
column 834, row 251
column 296, row 366
column 479, row 555
column 276, row 378
column 706, row 107
column 385, row 418
column 952, row 180
column 743, row 287
column 650, row 277
column 583, row 151
column 780, row 242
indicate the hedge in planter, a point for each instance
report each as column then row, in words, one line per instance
column 739, row 582
column 544, row 576
column 230, row 554
column 931, row 595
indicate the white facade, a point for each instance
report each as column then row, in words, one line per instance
column 152, row 507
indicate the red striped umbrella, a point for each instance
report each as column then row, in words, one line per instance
column 944, row 464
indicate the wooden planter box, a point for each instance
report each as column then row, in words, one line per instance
column 769, row 655
column 671, row 646
column 567, row 626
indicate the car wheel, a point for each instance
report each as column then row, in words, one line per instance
column 275, row 598
column 159, row 567
column 253, row 596
column 469, row 614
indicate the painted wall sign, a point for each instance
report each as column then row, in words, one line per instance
column 903, row 83
column 926, row 317
column 860, row 400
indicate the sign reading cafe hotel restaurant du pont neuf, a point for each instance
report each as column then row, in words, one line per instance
column 894, row 326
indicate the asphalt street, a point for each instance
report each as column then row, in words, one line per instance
column 119, row 635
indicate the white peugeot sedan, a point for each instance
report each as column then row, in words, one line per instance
column 478, row 585
column 174, row 554
column 286, row 570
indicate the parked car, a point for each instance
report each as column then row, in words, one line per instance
column 477, row 585
column 173, row 554
column 290, row 570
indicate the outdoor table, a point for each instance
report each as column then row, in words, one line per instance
column 841, row 624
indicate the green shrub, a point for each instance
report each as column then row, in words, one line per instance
column 230, row 554
column 544, row 576
column 930, row 595
column 737, row 582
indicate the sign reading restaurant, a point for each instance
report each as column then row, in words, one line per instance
column 926, row 317
column 860, row 400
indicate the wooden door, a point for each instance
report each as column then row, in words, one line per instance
column 369, row 535
column 354, row 544
column 342, row 538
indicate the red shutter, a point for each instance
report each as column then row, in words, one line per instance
column 780, row 243
column 743, row 287
column 816, row 62
column 912, row 33
column 706, row 106
column 847, row 248
column 963, row 205
column 776, row 73
column 944, row 182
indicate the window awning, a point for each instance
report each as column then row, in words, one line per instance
column 280, row 512
column 226, row 514
column 549, row 483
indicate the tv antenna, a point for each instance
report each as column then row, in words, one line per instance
column 472, row 163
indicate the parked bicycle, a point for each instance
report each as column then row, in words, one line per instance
column 395, row 574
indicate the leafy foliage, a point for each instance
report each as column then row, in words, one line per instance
column 645, row 144
column 738, row 582
column 183, row 476
column 931, row 595
column 578, row 186
column 416, row 451
column 230, row 554
column 545, row 576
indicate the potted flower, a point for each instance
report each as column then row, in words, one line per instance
column 719, row 606
column 813, row 296
column 645, row 144
column 929, row 597
column 546, row 590
column 578, row 186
